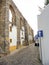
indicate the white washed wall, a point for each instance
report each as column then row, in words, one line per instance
column 43, row 24
column 13, row 36
column 30, row 37
column 22, row 31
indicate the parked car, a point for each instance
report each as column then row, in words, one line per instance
column 36, row 42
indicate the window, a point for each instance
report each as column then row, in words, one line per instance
column 22, row 37
column 10, row 40
column 22, row 33
column 10, row 28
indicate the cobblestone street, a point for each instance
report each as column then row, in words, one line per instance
column 25, row 56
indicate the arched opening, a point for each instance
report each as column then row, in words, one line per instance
column 10, row 15
column 22, row 35
column 12, row 30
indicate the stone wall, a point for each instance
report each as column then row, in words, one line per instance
column 4, row 23
column 17, row 19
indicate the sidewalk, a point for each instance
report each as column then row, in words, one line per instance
column 25, row 56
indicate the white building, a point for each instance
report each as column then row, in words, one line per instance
column 22, row 35
column 43, row 24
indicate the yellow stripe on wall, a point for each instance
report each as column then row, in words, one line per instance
column 12, row 48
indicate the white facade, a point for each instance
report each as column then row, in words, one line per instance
column 22, row 35
column 30, row 37
column 13, row 36
column 43, row 24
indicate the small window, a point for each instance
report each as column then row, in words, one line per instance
column 10, row 40
column 10, row 28
column 22, row 37
column 22, row 33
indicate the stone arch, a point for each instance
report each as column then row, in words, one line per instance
column 12, row 29
column 22, row 31
column 13, row 15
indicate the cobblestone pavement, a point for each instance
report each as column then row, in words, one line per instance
column 26, row 56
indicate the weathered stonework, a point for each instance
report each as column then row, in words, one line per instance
column 17, row 19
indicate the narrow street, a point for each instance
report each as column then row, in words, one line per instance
column 25, row 56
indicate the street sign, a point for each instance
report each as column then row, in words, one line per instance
column 40, row 33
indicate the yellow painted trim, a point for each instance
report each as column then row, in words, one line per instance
column 12, row 48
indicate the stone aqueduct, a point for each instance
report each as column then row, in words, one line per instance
column 17, row 20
